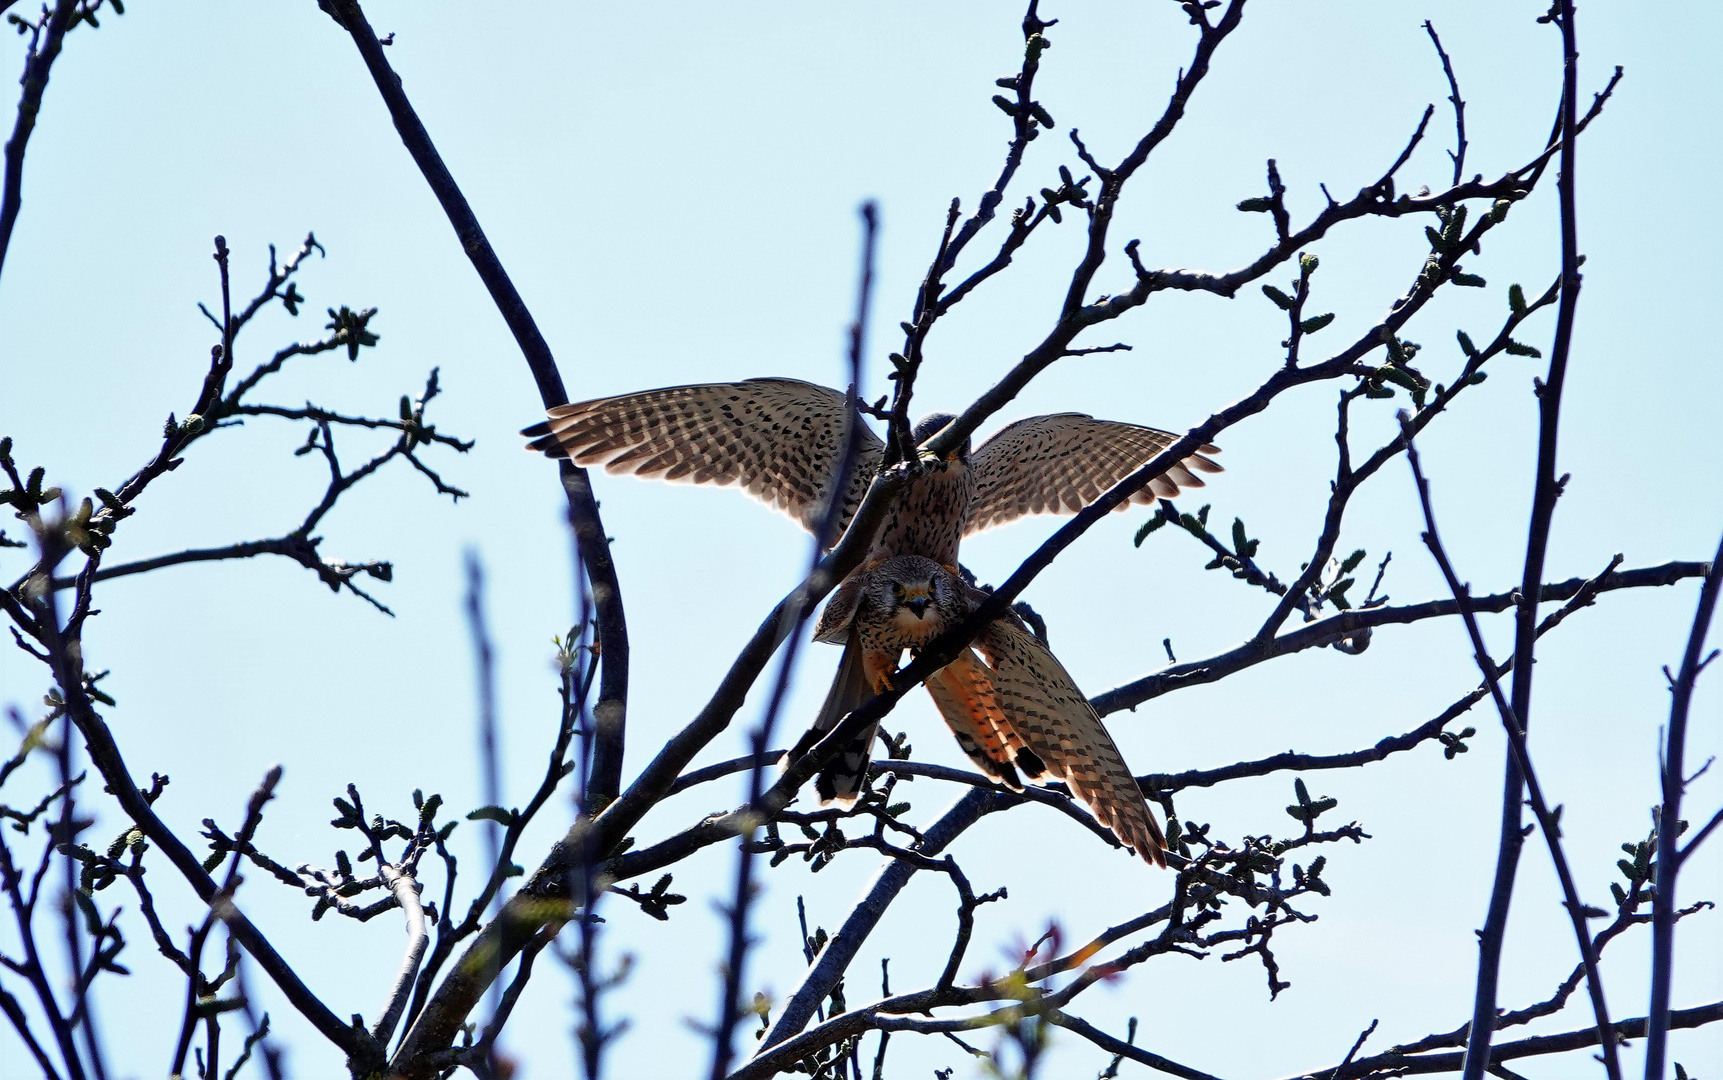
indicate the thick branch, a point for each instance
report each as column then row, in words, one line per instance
column 610, row 712
column 406, row 893
column 828, row 967
column 1545, row 493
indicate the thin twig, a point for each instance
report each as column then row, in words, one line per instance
column 1348, row 624
column 1669, row 856
column 39, row 61
column 1124, row 1049
column 1458, row 154
column 730, row 1007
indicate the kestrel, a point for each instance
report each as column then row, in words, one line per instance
column 1019, row 712
column 781, row 440
column 905, row 603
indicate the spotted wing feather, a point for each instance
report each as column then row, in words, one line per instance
column 1060, row 463
column 963, row 692
column 1059, row 725
column 780, row 439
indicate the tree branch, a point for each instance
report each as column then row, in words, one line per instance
column 406, row 893
column 1544, row 496
column 1347, row 624
column 1669, row 857
column 44, row 49
column 611, row 711
column 1395, row 1063
column 1547, row 821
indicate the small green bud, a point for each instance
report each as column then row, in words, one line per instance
column 1308, row 263
column 1316, row 322
column 1256, row 205
column 1143, row 533
column 1281, row 300
column 1455, row 225
column 1516, row 299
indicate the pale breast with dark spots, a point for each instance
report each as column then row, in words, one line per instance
column 929, row 517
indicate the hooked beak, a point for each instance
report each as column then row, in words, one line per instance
column 916, row 598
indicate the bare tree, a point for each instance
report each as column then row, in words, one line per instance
column 472, row 947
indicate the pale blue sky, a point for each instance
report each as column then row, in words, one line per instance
column 673, row 189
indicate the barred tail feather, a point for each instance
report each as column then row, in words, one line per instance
column 840, row 779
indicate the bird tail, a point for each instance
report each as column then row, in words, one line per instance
column 840, row 779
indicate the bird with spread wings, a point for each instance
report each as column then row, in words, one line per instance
column 782, row 441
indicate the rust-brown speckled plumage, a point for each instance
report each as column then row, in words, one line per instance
column 1050, row 714
column 1020, row 711
column 904, row 603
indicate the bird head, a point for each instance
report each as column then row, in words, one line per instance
column 931, row 425
column 908, row 585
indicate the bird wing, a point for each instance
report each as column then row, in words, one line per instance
column 964, row 694
column 1059, row 725
column 1060, row 463
column 780, row 439
column 839, row 615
